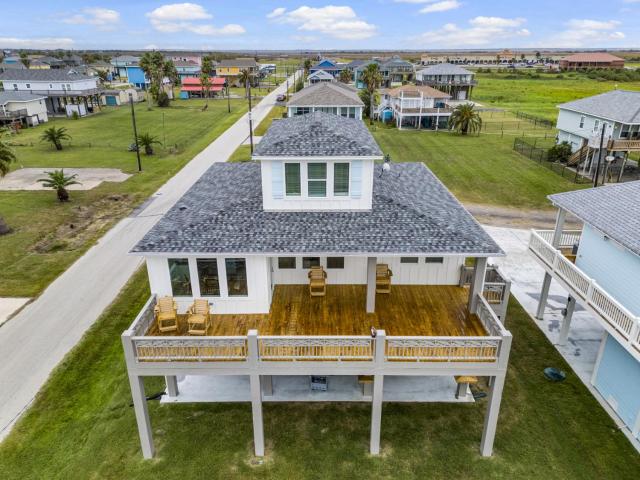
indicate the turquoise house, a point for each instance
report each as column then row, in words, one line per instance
column 600, row 269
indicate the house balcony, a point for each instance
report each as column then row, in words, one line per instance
column 419, row 328
column 14, row 115
column 449, row 83
column 559, row 263
column 624, row 145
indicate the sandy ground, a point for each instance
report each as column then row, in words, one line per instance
column 509, row 217
column 27, row 178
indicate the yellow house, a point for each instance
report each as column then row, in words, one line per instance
column 230, row 69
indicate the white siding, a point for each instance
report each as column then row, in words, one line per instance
column 54, row 85
column 356, row 200
column 355, row 271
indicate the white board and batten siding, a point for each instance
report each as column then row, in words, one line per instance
column 355, row 271
column 358, row 198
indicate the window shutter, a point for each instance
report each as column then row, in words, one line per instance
column 277, row 181
column 356, row 178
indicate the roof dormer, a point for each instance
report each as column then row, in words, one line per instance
column 317, row 161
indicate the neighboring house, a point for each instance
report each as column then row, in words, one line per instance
column 581, row 123
column 11, row 60
column 127, row 69
column 38, row 64
column 591, row 60
column 187, row 57
column 328, row 66
column 53, row 62
column 117, row 97
column 192, row 87
column 230, row 70
column 318, row 77
column 247, row 237
column 96, row 68
column 416, row 106
column 335, row 97
column 396, row 71
column 357, row 68
column 66, row 90
column 187, row 69
column 25, row 107
column 599, row 267
column 446, row 77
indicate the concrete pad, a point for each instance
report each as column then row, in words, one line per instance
column 220, row 388
column 9, row 305
column 27, row 178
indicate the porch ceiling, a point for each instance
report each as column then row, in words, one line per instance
column 409, row 310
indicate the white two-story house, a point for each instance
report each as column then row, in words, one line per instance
column 599, row 267
column 65, row 89
column 321, row 266
column 446, row 77
column 415, row 106
column 581, row 123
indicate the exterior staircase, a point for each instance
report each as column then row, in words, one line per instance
column 578, row 156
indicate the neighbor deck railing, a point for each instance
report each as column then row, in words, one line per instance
column 584, row 288
column 497, row 288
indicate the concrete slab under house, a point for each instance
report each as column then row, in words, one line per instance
column 317, row 272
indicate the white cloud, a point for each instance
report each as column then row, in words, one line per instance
column 188, row 17
column 441, row 6
column 334, row 21
column 103, row 18
column 586, row 33
column 304, row 38
column 277, row 12
column 43, row 43
column 482, row 31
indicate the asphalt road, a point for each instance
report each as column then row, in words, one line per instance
column 34, row 341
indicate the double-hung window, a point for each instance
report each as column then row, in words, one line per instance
column 582, row 121
column 208, row 277
column 317, row 179
column 236, row 277
column 292, row 179
column 180, row 277
column 340, row 179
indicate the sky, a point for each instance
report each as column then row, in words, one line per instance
column 317, row 25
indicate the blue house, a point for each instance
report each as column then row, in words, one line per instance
column 328, row 66
column 187, row 69
column 128, row 69
column 600, row 269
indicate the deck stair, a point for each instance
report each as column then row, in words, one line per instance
column 578, row 156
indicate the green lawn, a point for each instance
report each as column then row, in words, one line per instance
column 81, row 426
column 274, row 113
column 539, row 96
column 49, row 236
column 478, row 169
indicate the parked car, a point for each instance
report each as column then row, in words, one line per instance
column 281, row 98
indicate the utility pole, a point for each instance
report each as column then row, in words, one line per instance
column 228, row 99
column 135, row 131
column 250, row 120
column 597, row 173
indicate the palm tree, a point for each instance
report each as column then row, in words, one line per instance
column 58, row 181
column 55, row 136
column 307, row 66
column 465, row 119
column 371, row 77
column 345, row 76
column 245, row 79
column 6, row 157
column 147, row 141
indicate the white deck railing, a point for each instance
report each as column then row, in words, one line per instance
column 584, row 288
column 295, row 348
column 497, row 288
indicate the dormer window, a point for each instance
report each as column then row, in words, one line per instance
column 292, row 179
column 317, row 179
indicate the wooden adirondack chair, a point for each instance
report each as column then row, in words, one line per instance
column 383, row 278
column 317, row 282
column 166, row 313
column 198, row 318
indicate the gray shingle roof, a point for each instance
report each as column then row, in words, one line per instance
column 413, row 213
column 617, row 105
column 48, row 75
column 238, row 62
column 612, row 209
column 12, row 96
column 445, row 69
column 326, row 94
column 317, row 134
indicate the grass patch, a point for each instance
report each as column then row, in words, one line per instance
column 81, row 426
column 49, row 236
column 539, row 96
column 275, row 113
column 478, row 169
column 242, row 154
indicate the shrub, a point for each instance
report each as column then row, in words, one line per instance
column 75, row 115
column 560, row 152
column 163, row 99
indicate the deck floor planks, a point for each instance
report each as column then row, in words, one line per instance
column 409, row 310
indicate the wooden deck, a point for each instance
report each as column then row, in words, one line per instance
column 421, row 310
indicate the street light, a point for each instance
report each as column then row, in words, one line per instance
column 135, row 131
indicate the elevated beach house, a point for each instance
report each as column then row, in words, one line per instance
column 24, row 107
column 65, row 90
column 415, row 106
column 328, row 97
column 230, row 70
column 446, row 77
column 610, row 120
column 599, row 267
column 314, row 273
